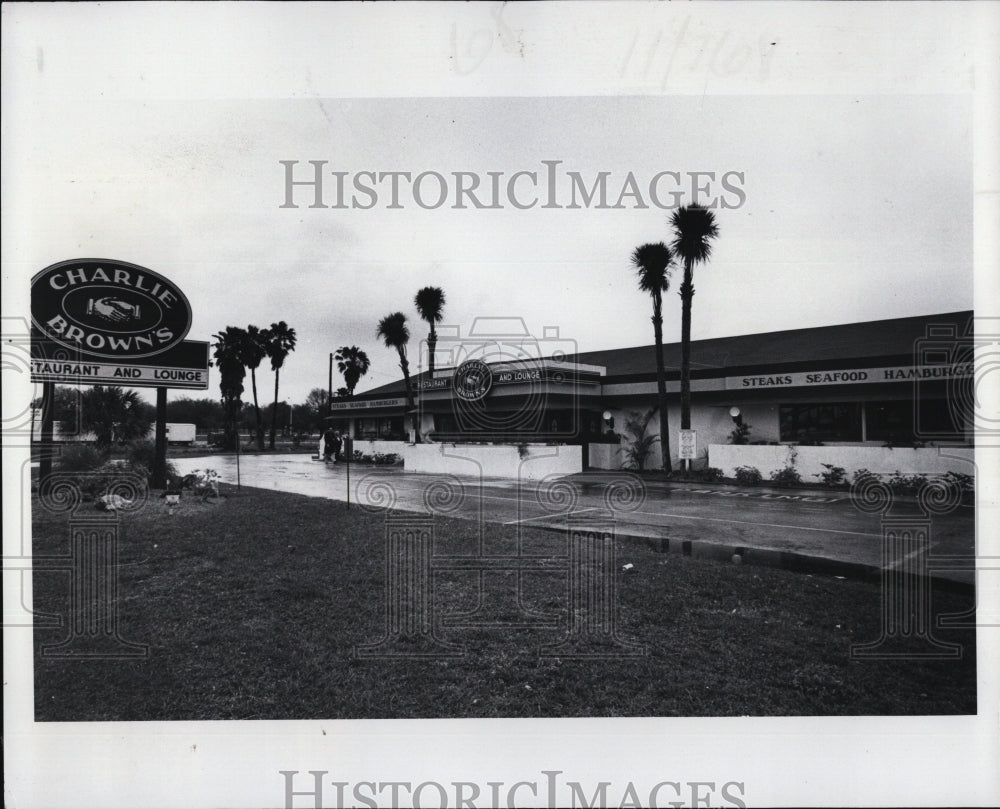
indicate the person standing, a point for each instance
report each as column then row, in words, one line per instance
column 337, row 446
column 329, row 444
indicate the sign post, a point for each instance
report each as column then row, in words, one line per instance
column 687, row 447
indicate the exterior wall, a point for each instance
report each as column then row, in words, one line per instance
column 809, row 460
column 494, row 460
column 606, row 456
column 712, row 423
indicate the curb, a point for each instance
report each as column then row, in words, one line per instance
column 792, row 561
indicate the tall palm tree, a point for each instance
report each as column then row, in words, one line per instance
column 396, row 334
column 253, row 351
column 353, row 363
column 430, row 304
column 227, row 350
column 694, row 228
column 281, row 343
column 652, row 264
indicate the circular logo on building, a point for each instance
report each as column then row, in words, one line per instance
column 109, row 309
column 473, row 380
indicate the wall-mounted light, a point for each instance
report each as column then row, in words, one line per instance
column 734, row 413
column 608, row 419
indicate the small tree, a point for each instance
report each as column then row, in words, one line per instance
column 114, row 414
column 642, row 444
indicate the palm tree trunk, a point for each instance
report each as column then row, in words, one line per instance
column 432, row 339
column 661, row 388
column 687, row 293
column 410, row 404
column 256, row 410
column 274, row 410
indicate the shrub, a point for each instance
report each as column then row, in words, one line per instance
column 863, row 476
column 638, row 451
column 140, row 457
column 788, row 476
column 202, row 484
column 748, row 475
column 711, row 474
column 833, row 476
column 80, row 458
column 740, row 434
column 906, row 484
column 967, row 483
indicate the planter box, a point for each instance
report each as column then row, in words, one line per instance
column 809, row 460
column 500, row 461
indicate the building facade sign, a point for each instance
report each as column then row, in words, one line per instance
column 359, row 404
column 852, row 376
column 109, row 310
column 473, row 380
column 183, row 366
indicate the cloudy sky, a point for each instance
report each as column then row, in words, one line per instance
column 856, row 207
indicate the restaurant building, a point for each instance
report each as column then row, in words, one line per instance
column 883, row 395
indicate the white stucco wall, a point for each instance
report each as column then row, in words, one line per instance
column 712, row 423
column 809, row 460
column 503, row 461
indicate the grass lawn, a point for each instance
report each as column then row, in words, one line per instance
column 252, row 607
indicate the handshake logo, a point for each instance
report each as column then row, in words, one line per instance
column 112, row 309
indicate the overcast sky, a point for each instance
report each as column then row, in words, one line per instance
column 857, row 207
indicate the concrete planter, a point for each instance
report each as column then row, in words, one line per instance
column 809, row 460
column 606, row 456
column 529, row 462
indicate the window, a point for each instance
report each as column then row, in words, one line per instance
column 808, row 423
column 910, row 421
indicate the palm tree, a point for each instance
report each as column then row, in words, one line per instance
column 253, row 351
column 281, row 343
column 395, row 334
column 430, row 304
column 114, row 414
column 353, row 363
column 227, row 350
column 652, row 263
column 694, row 228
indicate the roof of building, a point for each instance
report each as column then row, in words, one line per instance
column 894, row 341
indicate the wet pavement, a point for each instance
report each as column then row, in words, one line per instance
column 813, row 530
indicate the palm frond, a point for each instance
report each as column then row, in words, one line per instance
column 694, row 228
column 430, row 304
column 393, row 330
column 652, row 264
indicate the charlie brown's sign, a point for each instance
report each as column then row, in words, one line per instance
column 109, row 309
column 106, row 322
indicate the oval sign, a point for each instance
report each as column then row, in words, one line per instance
column 473, row 380
column 109, row 309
